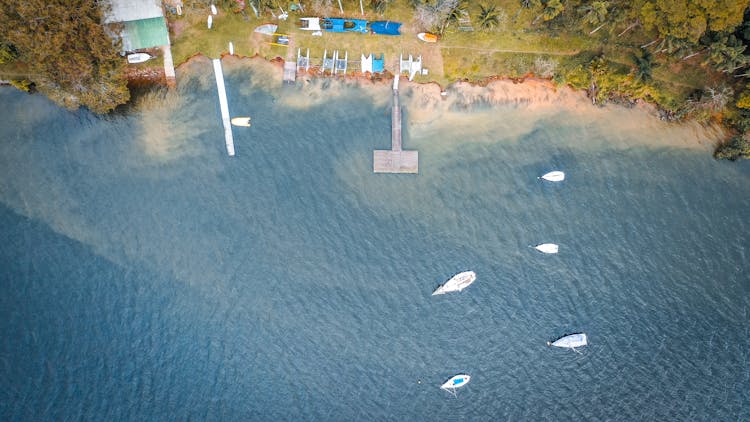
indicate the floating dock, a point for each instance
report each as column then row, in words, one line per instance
column 223, row 105
column 395, row 160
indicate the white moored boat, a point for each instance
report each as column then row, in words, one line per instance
column 547, row 248
column 241, row 121
column 554, row 176
column 456, row 381
column 570, row 341
column 457, row 283
column 138, row 57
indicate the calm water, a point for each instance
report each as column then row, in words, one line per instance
column 147, row 276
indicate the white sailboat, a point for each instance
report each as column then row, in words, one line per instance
column 554, row 176
column 457, row 283
column 570, row 341
column 456, row 381
column 547, row 247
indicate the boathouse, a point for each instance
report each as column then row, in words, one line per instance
column 143, row 26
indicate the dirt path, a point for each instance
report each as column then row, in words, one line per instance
column 499, row 50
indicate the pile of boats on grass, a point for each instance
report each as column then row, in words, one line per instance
column 464, row 279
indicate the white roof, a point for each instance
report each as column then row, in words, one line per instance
column 133, row 10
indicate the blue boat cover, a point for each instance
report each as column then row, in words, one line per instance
column 344, row 25
column 458, row 381
column 377, row 64
column 385, row 27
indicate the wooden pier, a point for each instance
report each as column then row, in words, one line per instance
column 395, row 160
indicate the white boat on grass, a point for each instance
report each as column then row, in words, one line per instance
column 138, row 57
column 547, row 247
column 570, row 341
column 241, row 121
column 457, row 283
column 554, row 176
column 456, row 381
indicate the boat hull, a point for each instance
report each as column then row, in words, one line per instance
column 547, row 248
column 554, row 176
column 427, row 37
column 571, row 341
column 456, row 381
column 457, row 283
column 241, row 121
column 138, row 57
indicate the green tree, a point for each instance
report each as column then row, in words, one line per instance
column 594, row 13
column 66, row 45
column 644, row 66
column 690, row 19
column 737, row 147
column 552, row 8
column 488, row 16
column 726, row 54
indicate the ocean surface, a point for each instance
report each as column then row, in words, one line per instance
column 148, row 276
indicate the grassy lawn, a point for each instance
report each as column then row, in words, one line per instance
column 510, row 49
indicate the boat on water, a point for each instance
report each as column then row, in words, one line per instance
column 427, row 37
column 241, row 121
column 570, row 341
column 547, row 247
column 554, row 176
column 210, row 21
column 456, row 381
column 457, row 283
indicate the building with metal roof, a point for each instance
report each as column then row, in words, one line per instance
column 143, row 22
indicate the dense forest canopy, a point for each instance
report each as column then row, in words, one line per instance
column 70, row 53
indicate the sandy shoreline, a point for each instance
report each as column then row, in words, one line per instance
column 429, row 103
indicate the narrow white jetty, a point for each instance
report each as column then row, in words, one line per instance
column 223, row 105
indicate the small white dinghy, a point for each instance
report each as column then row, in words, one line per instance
column 241, row 121
column 457, row 283
column 456, row 381
column 210, row 21
column 138, row 57
column 570, row 341
column 547, row 247
column 213, row 9
column 554, row 176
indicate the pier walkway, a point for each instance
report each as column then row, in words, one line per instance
column 223, row 105
column 395, row 160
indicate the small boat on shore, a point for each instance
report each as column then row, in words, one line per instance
column 427, row 37
column 241, row 121
column 570, row 341
column 138, row 57
column 457, row 283
column 456, row 381
column 554, row 176
column 547, row 248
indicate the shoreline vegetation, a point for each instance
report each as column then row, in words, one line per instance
column 686, row 58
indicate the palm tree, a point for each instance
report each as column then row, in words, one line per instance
column 594, row 13
column 455, row 14
column 488, row 17
column 727, row 55
column 644, row 65
column 551, row 9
